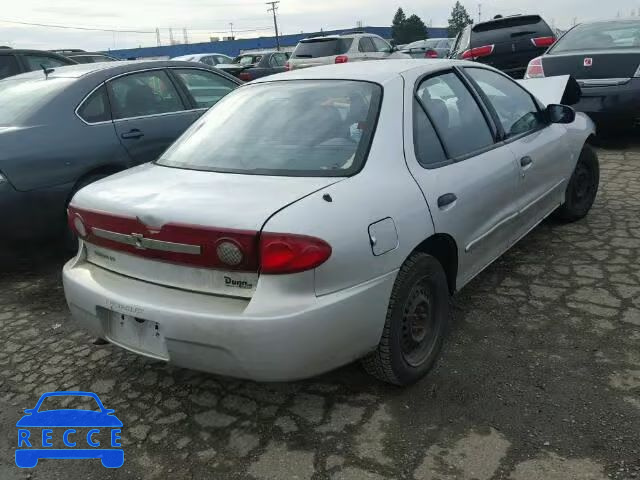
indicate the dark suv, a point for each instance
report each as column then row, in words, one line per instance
column 506, row 43
column 13, row 62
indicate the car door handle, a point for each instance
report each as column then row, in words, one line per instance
column 525, row 162
column 446, row 200
column 134, row 133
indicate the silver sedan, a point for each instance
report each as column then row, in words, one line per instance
column 322, row 216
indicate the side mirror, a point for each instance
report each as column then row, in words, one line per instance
column 561, row 114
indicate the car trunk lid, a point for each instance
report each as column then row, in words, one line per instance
column 167, row 226
column 593, row 66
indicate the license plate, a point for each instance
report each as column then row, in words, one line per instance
column 137, row 334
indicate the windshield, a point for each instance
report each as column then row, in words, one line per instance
column 20, row 98
column 322, row 47
column 248, row 59
column 296, row 128
column 66, row 402
column 600, row 36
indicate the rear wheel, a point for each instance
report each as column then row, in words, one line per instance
column 582, row 188
column 416, row 324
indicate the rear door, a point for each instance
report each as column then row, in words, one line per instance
column 516, row 40
column 148, row 112
column 539, row 147
column 470, row 181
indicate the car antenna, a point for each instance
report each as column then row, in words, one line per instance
column 47, row 71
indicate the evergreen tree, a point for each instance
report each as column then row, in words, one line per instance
column 414, row 29
column 459, row 19
column 397, row 25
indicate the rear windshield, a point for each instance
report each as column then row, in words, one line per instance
column 251, row 131
column 322, row 47
column 509, row 29
column 248, row 59
column 20, row 98
column 600, row 36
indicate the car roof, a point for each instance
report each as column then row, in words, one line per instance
column 380, row 72
column 10, row 51
column 125, row 66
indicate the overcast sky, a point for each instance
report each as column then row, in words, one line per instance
column 204, row 18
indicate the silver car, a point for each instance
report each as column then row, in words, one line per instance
column 353, row 47
column 430, row 48
column 334, row 231
column 212, row 59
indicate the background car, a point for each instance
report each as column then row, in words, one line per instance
column 16, row 61
column 334, row 230
column 64, row 130
column 250, row 66
column 81, row 56
column 429, row 48
column 353, row 47
column 212, row 59
column 506, row 43
column 604, row 57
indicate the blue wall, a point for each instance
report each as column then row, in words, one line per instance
column 234, row 47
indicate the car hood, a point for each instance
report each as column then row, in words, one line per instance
column 69, row 418
column 159, row 195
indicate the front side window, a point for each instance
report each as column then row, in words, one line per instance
column 455, row 114
column 277, row 60
column 515, row 108
column 142, row 94
column 36, row 62
column 206, row 88
column 96, row 108
column 8, row 66
column 222, row 59
column 334, row 125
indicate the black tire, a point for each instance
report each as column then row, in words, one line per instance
column 69, row 239
column 421, row 282
column 582, row 188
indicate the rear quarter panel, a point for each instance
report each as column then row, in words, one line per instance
column 383, row 189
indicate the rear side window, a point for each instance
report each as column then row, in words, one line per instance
column 36, row 62
column 143, row 94
column 428, row 148
column 366, row 45
column 600, row 36
column 334, row 126
column 455, row 114
column 509, row 29
column 206, row 88
column 8, row 66
column 96, row 108
column 326, row 47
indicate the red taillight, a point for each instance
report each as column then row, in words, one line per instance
column 478, row 52
column 342, row 59
column 430, row 54
column 535, row 69
column 543, row 42
column 287, row 253
column 245, row 76
column 287, row 66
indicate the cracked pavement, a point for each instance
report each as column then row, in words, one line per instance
column 539, row 380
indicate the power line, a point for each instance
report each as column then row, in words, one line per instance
column 69, row 27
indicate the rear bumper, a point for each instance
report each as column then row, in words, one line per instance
column 33, row 214
column 278, row 335
column 617, row 103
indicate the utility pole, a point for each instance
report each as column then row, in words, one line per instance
column 158, row 37
column 171, row 41
column 186, row 37
column 231, row 26
column 479, row 12
column 274, row 8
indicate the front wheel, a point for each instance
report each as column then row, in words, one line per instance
column 582, row 188
column 417, row 319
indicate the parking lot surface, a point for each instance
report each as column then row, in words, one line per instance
column 540, row 378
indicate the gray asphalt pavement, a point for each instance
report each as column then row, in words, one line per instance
column 540, row 378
